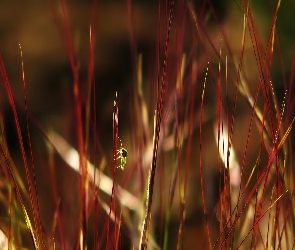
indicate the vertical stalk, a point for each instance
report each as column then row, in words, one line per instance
column 158, row 119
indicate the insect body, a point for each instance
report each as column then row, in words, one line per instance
column 122, row 155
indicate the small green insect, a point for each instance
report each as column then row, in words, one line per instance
column 122, row 152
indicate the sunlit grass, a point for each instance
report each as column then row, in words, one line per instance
column 206, row 121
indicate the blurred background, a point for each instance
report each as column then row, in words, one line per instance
column 33, row 25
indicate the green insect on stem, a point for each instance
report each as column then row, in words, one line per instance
column 122, row 155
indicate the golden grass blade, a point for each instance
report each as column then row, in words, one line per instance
column 103, row 182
